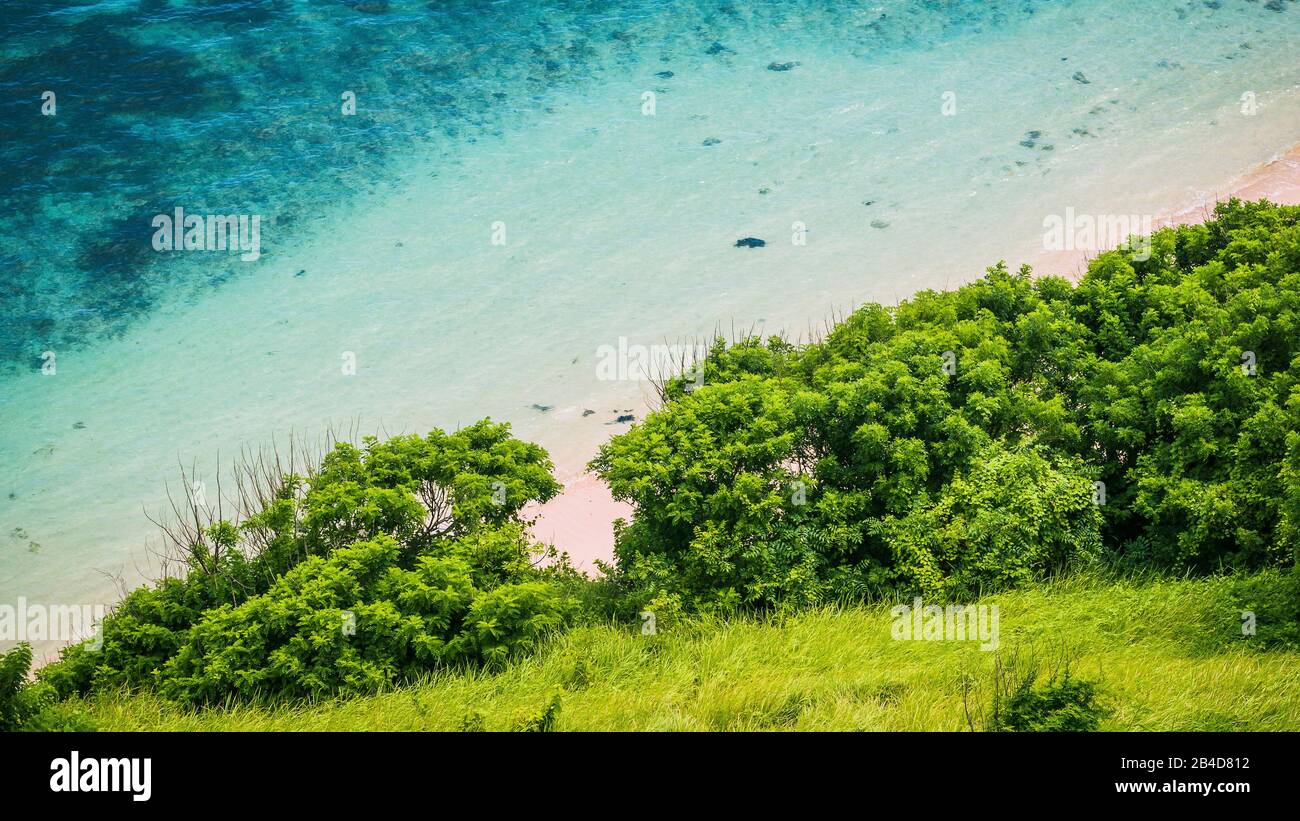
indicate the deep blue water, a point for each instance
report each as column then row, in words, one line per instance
column 231, row 107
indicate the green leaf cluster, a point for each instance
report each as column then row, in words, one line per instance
column 392, row 558
column 977, row 438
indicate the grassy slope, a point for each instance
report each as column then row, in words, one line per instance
column 1151, row 644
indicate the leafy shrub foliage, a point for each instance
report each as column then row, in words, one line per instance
column 392, row 558
column 999, row 524
column 1032, row 695
column 356, row 621
column 31, row 706
column 15, row 708
column 1064, row 705
column 952, row 443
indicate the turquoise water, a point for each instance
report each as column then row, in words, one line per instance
column 909, row 144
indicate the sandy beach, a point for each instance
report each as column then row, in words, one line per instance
column 1276, row 179
column 580, row 520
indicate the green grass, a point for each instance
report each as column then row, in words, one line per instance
column 1162, row 651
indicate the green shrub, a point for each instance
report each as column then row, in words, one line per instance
column 32, row 706
column 416, row 540
column 14, row 707
column 1012, row 517
column 356, row 622
column 1028, row 697
column 948, row 443
column 1067, row 705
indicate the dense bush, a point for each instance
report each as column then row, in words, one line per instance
column 952, row 442
column 390, row 558
column 31, row 706
column 1059, row 705
column 15, row 706
column 356, row 621
column 1009, row 517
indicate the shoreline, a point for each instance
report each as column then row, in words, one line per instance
column 580, row 519
column 1276, row 179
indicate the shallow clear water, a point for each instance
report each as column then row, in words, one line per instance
column 377, row 229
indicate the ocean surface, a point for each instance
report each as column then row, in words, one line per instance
column 464, row 206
